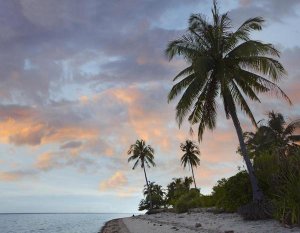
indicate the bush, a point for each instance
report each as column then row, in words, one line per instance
column 229, row 194
column 287, row 196
column 177, row 188
column 157, row 196
column 187, row 201
column 256, row 210
column 206, row 201
column 266, row 166
column 157, row 202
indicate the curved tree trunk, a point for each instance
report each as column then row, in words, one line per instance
column 193, row 177
column 257, row 192
column 149, row 191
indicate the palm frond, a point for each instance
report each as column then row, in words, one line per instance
column 252, row 48
column 237, row 95
column 135, row 164
column 185, row 72
column 188, row 98
column 264, row 65
column 184, row 46
column 272, row 87
column 180, row 86
column 249, row 25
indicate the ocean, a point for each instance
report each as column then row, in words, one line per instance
column 55, row 223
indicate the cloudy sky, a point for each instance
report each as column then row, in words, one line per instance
column 82, row 80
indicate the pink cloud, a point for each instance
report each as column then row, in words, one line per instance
column 12, row 176
column 9, row 176
column 117, row 180
column 31, row 132
column 45, row 161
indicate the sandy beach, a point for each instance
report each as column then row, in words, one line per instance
column 205, row 222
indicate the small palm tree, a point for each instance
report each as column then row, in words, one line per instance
column 145, row 156
column 177, row 188
column 157, row 195
column 227, row 64
column 190, row 156
column 274, row 134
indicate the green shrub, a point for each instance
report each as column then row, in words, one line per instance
column 229, row 194
column 206, row 201
column 157, row 195
column 287, row 196
column 187, row 201
column 177, row 188
column 266, row 166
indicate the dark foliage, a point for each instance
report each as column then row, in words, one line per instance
column 229, row 194
column 256, row 210
column 177, row 188
column 157, row 195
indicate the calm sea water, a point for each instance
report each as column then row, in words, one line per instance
column 55, row 223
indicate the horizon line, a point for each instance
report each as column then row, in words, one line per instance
column 67, row 213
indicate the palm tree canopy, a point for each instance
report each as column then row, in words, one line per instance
column 222, row 63
column 183, row 183
column 142, row 153
column 191, row 154
column 178, row 186
column 276, row 132
column 154, row 188
column 278, row 127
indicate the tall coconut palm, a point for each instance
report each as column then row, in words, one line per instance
column 143, row 154
column 190, row 156
column 227, row 64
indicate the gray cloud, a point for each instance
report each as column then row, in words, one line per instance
column 71, row 144
column 53, row 52
column 16, row 175
column 271, row 10
column 45, row 43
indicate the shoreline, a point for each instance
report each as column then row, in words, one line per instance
column 196, row 221
column 114, row 226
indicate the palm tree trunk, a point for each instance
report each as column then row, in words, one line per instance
column 193, row 177
column 256, row 191
column 149, row 191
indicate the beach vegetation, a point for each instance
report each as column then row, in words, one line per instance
column 287, row 196
column 190, row 157
column 276, row 160
column 177, row 188
column 229, row 194
column 188, row 200
column 227, row 64
column 157, row 195
column 144, row 155
column 275, row 136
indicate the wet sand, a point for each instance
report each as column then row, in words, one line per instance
column 114, row 226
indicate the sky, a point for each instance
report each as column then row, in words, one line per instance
column 80, row 81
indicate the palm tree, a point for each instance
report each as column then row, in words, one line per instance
column 227, row 64
column 157, row 194
column 190, row 156
column 275, row 134
column 144, row 155
column 178, row 187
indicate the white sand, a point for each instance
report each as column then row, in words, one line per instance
column 210, row 223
